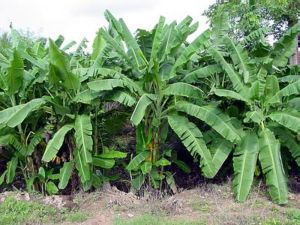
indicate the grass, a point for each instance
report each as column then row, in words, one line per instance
column 15, row 212
column 148, row 219
column 76, row 217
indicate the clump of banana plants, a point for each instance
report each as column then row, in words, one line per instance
column 152, row 80
column 270, row 118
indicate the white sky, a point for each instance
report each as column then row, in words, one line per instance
column 76, row 19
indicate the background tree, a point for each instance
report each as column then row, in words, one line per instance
column 275, row 16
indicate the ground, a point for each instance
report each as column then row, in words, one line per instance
column 206, row 204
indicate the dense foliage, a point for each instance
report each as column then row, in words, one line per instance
column 61, row 109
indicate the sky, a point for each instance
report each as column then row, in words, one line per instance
column 76, row 19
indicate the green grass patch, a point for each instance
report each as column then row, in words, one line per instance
column 76, row 217
column 148, row 219
column 14, row 212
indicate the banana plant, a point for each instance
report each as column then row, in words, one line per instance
column 22, row 96
column 268, row 107
column 74, row 121
column 151, row 77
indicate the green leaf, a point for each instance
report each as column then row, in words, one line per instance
column 156, row 42
column 272, row 87
column 291, row 89
column 113, row 155
column 140, row 108
column 51, row 188
column 182, row 165
column 163, row 162
column 132, row 46
column 261, row 77
column 2, row 177
column 146, row 167
column 191, row 138
column 14, row 116
column 200, row 43
column 270, row 159
column 289, row 78
column 137, row 160
column 104, row 163
column 15, row 73
column 123, row 98
column 196, row 75
column 55, row 143
column 285, row 47
column 138, row 181
column 244, row 164
column 35, row 140
column 105, row 85
column 82, row 167
column 254, row 116
column 213, row 117
column 288, row 119
column 83, row 136
column 240, row 59
column 65, row 175
column 221, row 149
column 42, row 172
column 232, row 74
column 11, row 170
column 59, row 69
column 289, row 140
column 98, row 46
column 113, row 43
column 183, row 89
column 230, row 94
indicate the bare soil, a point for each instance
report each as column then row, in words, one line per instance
column 206, row 204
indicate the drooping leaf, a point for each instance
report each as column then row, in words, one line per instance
column 113, row 155
column 82, row 167
column 83, row 136
column 284, row 48
column 137, row 160
column 11, row 170
column 270, row 159
column 288, row 119
column 65, row 175
column 230, row 94
column 105, row 163
column 51, row 188
column 244, row 164
column 213, row 117
column 105, row 85
column 2, row 177
column 122, row 97
column 196, row 75
column 191, row 138
column 288, row 140
column 183, row 89
column 35, row 140
column 56, row 142
column 290, row 89
column 146, row 167
column 14, row 116
column 221, row 150
column 141, row 107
